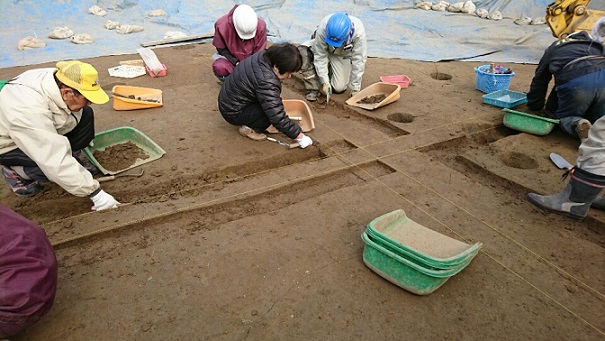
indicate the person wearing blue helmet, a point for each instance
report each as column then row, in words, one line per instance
column 335, row 57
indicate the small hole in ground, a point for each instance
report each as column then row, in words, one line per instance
column 518, row 160
column 441, row 76
column 401, row 117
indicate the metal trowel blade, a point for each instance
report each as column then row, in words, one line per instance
column 560, row 161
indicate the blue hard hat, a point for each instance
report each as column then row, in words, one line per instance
column 337, row 29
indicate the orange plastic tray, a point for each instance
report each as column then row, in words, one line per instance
column 140, row 100
column 299, row 112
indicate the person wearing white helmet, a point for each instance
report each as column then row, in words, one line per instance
column 237, row 35
column 335, row 57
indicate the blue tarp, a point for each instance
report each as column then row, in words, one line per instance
column 395, row 29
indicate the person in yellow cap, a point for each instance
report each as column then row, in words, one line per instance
column 45, row 122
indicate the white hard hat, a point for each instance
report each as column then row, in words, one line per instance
column 245, row 21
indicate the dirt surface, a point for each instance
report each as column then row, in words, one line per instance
column 372, row 99
column 232, row 239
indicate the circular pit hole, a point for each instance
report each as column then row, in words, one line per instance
column 441, row 76
column 401, row 117
column 518, row 160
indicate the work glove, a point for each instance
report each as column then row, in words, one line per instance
column 326, row 88
column 304, row 141
column 103, row 201
column 353, row 93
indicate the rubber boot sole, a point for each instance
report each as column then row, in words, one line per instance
column 551, row 210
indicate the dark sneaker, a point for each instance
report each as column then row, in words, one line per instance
column 85, row 162
column 582, row 129
column 251, row 134
column 21, row 187
column 312, row 96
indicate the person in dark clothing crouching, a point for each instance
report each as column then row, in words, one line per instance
column 251, row 96
column 577, row 63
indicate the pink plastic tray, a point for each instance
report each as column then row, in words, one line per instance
column 402, row 80
column 152, row 74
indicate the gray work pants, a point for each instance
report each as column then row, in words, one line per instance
column 591, row 154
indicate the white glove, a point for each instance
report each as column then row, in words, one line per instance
column 304, row 141
column 103, row 201
column 326, row 88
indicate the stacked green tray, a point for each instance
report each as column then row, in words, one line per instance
column 412, row 256
column 413, row 241
column 403, row 272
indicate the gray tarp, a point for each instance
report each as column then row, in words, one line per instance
column 394, row 28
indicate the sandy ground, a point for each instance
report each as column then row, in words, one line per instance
column 231, row 239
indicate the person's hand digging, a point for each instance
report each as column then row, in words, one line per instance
column 304, row 141
column 103, row 201
column 326, row 88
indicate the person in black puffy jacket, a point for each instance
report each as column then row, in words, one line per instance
column 251, row 96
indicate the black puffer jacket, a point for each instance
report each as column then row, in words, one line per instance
column 254, row 81
column 557, row 56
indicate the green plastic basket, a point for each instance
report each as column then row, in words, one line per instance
column 421, row 244
column 122, row 135
column 403, row 272
column 528, row 123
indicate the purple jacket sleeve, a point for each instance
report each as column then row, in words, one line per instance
column 28, row 273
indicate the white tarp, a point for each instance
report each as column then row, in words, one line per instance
column 394, row 28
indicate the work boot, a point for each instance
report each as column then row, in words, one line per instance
column 251, row 134
column 575, row 200
column 582, row 129
column 20, row 186
column 312, row 96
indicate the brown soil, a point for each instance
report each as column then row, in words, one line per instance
column 119, row 156
column 231, row 239
column 372, row 99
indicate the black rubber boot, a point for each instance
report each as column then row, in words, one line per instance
column 575, row 200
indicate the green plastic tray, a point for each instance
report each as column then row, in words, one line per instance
column 121, row 135
column 459, row 261
column 403, row 272
column 528, row 123
column 412, row 240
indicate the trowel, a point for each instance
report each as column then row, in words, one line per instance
column 560, row 161
column 112, row 177
column 289, row 145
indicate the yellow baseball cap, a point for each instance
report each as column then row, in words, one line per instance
column 82, row 77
